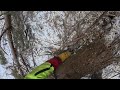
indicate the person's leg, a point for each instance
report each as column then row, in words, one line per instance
column 56, row 61
column 41, row 72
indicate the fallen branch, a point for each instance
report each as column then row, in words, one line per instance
column 3, row 50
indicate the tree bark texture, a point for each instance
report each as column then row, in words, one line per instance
column 88, row 60
column 10, row 40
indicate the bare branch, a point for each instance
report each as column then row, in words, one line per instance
column 3, row 50
column 24, row 63
column 1, row 18
column 3, row 31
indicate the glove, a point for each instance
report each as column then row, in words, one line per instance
column 64, row 55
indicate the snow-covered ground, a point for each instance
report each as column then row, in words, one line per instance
column 42, row 35
column 47, row 34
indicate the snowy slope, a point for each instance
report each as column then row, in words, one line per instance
column 47, row 34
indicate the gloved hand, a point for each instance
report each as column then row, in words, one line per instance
column 63, row 56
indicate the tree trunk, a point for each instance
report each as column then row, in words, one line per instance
column 9, row 35
column 91, row 58
column 97, row 75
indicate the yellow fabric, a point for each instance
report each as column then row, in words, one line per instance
column 64, row 55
